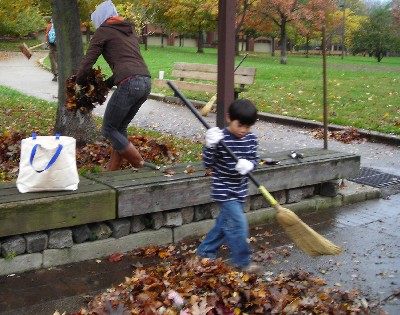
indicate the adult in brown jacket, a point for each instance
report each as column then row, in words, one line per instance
column 117, row 41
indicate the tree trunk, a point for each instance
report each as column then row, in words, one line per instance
column 200, row 41
column 236, row 45
column 88, row 33
column 273, row 46
column 162, row 37
column 307, row 43
column 144, row 36
column 283, row 41
column 81, row 126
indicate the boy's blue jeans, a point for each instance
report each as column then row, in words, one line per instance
column 231, row 227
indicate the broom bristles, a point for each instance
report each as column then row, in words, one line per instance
column 303, row 236
column 206, row 109
column 25, row 50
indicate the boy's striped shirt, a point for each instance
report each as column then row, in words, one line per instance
column 227, row 183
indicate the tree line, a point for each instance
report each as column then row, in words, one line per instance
column 355, row 25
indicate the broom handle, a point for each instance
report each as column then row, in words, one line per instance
column 244, row 57
column 263, row 190
column 36, row 46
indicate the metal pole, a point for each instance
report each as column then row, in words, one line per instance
column 325, row 114
column 343, row 26
column 226, row 58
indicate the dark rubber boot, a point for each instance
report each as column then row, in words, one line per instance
column 133, row 156
column 115, row 162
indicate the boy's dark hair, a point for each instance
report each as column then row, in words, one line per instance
column 244, row 111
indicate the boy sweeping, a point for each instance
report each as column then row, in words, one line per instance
column 230, row 183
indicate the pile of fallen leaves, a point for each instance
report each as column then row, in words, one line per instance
column 10, row 150
column 194, row 286
column 347, row 135
column 94, row 92
column 89, row 157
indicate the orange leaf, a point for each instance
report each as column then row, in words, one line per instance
column 115, row 257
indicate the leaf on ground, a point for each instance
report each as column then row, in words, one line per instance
column 169, row 171
column 190, row 169
column 115, row 257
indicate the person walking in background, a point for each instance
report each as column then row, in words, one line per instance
column 230, row 184
column 117, row 41
column 51, row 41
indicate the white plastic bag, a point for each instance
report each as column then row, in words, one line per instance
column 47, row 163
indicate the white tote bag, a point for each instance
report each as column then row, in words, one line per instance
column 47, row 163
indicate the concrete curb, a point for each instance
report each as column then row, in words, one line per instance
column 351, row 193
column 373, row 136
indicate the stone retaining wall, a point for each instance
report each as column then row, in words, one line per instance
column 88, row 241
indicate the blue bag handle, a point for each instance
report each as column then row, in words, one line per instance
column 52, row 160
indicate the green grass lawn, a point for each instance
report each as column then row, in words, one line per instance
column 361, row 92
column 13, row 45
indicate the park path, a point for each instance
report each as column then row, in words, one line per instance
column 27, row 76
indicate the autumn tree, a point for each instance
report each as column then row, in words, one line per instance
column 242, row 9
column 158, row 10
column 378, row 35
column 202, row 17
column 139, row 13
column 256, row 25
column 311, row 18
column 281, row 12
column 86, row 7
column 396, row 13
column 20, row 18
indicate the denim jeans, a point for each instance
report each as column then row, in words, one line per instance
column 231, row 227
column 122, row 107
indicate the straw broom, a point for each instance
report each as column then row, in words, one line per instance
column 301, row 234
column 206, row 109
column 27, row 50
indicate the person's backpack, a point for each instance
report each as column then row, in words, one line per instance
column 52, row 34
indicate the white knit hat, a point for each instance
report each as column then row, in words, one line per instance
column 104, row 11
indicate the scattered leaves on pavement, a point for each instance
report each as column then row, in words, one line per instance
column 347, row 135
column 191, row 285
column 171, row 250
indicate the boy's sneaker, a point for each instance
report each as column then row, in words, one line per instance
column 252, row 268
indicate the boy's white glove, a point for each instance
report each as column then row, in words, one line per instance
column 213, row 136
column 244, row 166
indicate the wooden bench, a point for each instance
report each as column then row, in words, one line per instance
column 203, row 77
column 112, row 195
column 149, row 191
